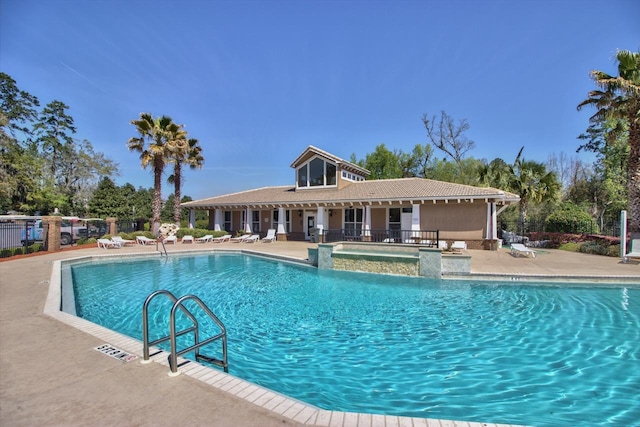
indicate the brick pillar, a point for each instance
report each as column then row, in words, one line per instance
column 54, row 225
column 112, row 226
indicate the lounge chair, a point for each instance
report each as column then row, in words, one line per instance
column 519, row 248
column 239, row 239
column 634, row 251
column 459, row 246
column 144, row 240
column 204, row 239
column 187, row 239
column 270, row 237
column 221, row 239
column 442, row 244
column 252, row 239
column 123, row 242
column 171, row 239
column 107, row 243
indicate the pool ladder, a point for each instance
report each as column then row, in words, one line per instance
column 178, row 304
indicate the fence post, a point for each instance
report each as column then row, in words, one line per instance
column 112, row 226
column 54, row 225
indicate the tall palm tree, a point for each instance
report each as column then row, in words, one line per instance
column 618, row 97
column 184, row 152
column 159, row 134
column 533, row 183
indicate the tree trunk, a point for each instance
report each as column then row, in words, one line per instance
column 523, row 216
column 177, row 178
column 157, row 195
column 634, row 175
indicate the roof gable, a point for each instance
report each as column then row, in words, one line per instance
column 311, row 151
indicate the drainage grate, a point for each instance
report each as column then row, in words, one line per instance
column 116, row 353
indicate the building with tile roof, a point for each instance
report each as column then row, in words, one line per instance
column 331, row 197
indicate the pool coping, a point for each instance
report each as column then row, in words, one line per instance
column 263, row 397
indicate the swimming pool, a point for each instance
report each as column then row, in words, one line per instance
column 502, row 353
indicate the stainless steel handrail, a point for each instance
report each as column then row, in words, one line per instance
column 173, row 358
column 163, row 247
column 173, row 334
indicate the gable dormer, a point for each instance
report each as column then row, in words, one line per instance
column 316, row 168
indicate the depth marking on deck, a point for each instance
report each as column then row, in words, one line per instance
column 116, row 353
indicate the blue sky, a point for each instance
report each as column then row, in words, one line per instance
column 258, row 81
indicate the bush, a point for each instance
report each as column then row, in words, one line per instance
column 6, row 253
column 571, row 247
column 594, row 248
column 570, row 218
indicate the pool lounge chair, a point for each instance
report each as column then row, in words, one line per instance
column 221, row 239
column 519, row 248
column 270, row 237
column 634, row 251
column 144, row 240
column 123, row 242
column 107, row 243
column 187, row 239
column 204, row 239
column 171, row 239
column 459, row 246
column 252, row 239
column 239, row 239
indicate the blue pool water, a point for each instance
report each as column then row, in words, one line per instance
column 485, row 352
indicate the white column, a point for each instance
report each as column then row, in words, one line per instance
column 322, row 212
column 492, row 221
column 192, row 218
column 366, row 224
column 217, row 219
column 415, row 218
column 281, row 221
column 247, row 220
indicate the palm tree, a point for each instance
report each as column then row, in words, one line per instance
column 159, row 133
column 619, row 98
column 184, row 152
column 533, row 183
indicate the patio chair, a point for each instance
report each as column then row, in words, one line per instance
column 270, row 237
column 107, row 243
column 459, row 246
column 252, row 239
column 123, row 242
column 204, row 239
column 634, row 251
column 221, row 239
column 144, row 240
column 171, row 239
column 239, row 239
column 519, row 248
column 187, row 239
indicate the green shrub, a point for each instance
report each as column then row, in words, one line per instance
column 571, row 247
column 594, row 248
column 6, row 253
column 569, row 218
column 614, row 251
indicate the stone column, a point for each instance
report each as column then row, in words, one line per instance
column 112, row 226
column 54, row 225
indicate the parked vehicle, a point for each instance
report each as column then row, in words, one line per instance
column 72, row 230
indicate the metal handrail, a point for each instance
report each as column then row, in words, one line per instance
column 173, row 358
column 145, row 322
column 423, row 237
column 173, row 334
column 163, row 247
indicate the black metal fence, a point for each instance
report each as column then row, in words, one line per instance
column 577, row 227
column 422, row 237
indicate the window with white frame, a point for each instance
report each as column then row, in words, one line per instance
column 353, row 222
column 316, row 173
column 255, row 221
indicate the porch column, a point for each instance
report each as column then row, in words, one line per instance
column 281, row 233
column 321, row 220
column 492, row 222
column 415, row 219
column 366, row 224
column 217, row 219
column 192, row 218
column 247, row 221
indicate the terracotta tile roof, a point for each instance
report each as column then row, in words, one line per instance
column 376, row 191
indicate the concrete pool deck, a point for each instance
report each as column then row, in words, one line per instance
column 51, row 374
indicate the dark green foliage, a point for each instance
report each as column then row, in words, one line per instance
column 569, row 218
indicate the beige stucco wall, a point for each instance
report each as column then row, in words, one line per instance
column 378, row 218
column 456, row 221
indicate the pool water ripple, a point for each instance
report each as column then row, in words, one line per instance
column 542, row 355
